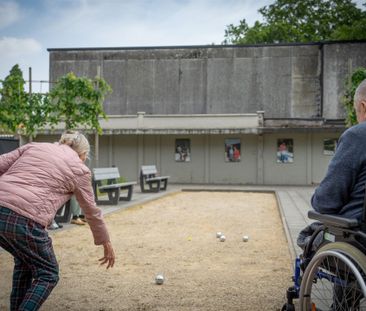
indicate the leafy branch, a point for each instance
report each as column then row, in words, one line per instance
column 352, row 83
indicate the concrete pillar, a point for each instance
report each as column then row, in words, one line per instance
column 110, row 151
column 140, row 119
column 260, row 118
column 309, row 155
column 158, row 153
column 140, row 153
column 260, row 164
column 207, row 161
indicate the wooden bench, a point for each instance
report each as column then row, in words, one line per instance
column 148, row 176
column 112, row 188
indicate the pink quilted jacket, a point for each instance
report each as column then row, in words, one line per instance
column 38, row 178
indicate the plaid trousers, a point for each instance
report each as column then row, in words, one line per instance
column 36, row 268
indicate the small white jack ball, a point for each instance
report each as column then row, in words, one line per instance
column 245, row 238
column 218, row 234
column 222, row 238
column 159, row 279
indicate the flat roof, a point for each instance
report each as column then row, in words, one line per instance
column 221, row 46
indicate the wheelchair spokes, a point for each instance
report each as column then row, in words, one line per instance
column 333, row 281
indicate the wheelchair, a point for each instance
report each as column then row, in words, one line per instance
column 332, row 277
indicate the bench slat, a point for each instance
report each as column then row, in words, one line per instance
column 114, row 186
column 105, row 173
column 157, row 178
column 149, row 170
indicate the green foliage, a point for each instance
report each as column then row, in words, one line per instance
column 352, row 83
column 38, row 114
column 79, row 101
column 20, row 112
column 13, row 100
column 302, row 21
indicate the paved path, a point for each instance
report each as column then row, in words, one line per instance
column 294, row 203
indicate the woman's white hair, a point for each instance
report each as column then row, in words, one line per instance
column 76, row 141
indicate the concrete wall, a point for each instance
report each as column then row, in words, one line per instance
column 207, row 163
column 258, row 163
column 243, row 172
column 295, row 173
column 319, row 159
column 286, row 81
column 289, row 81
column 339, row 61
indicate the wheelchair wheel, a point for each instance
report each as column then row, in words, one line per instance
column 335, row 279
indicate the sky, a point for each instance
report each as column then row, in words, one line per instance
column 29, row 27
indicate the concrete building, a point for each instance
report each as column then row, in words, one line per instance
column 264, row 114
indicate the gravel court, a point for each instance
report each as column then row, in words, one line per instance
column 176, row 236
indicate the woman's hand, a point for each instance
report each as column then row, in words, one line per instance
column 109, row 256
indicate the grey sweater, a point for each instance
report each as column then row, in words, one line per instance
column 342, row 191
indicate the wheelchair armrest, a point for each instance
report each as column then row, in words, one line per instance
column 335, row 221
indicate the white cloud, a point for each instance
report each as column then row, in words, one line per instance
column 26, row 52
column 9, row 13
column 141, row 22
column 14, row 47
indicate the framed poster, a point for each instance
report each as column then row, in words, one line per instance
column 232, row 150
column 329, row 146
column 182, row 150
column 285, row 150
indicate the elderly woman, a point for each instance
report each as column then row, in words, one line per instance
column 35, row 180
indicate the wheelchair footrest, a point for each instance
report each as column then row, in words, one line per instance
column 291, row 294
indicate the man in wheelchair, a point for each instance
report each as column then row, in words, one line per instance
column 331, row 272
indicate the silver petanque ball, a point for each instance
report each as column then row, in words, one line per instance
column 245, row 238
column 159, row 279
column 222, row 238
column 218, row 234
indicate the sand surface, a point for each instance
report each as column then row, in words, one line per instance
column 175, row 236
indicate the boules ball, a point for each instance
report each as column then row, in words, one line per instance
column 218, row 234
column 159, row 279
column 222, row 238
column 245, row 238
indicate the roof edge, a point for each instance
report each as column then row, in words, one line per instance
column 158, row 47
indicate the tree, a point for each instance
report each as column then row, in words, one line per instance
column 20, row 112
column 302, row 21
column 352, row 83
column 78, row 101
column 13, row 100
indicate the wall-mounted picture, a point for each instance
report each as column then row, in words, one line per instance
column 285, row 150
column 182, row 150
column 330, row 146
column 232, row 150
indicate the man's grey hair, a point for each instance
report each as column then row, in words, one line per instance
column 360, row 93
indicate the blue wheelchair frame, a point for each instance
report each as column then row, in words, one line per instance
column 342, row 230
